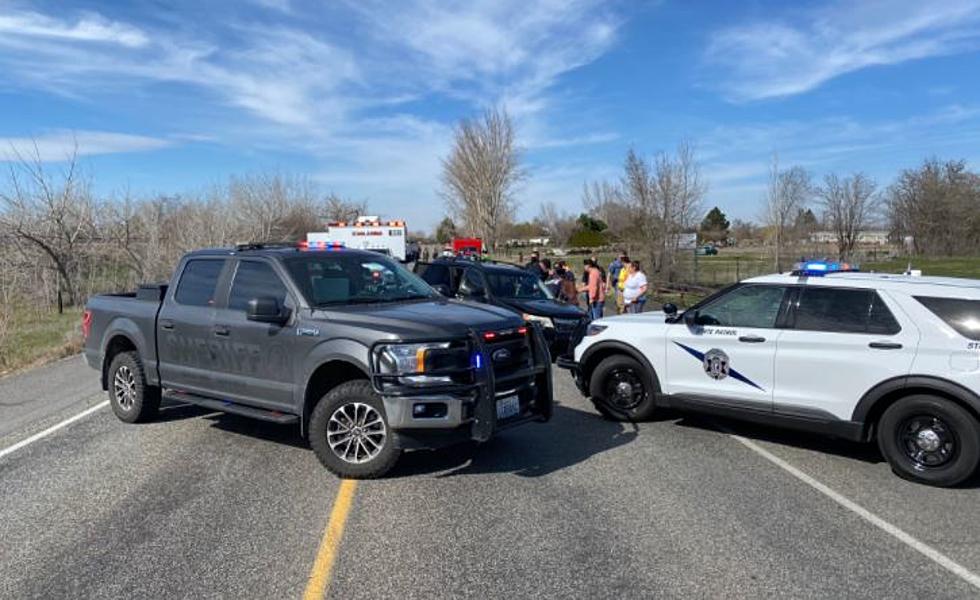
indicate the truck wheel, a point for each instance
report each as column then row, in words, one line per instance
column 131, row 398
column 350, row 435
column 622, row 390
column 930, row 440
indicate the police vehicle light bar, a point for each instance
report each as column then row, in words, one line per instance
column 305, row 245
column 818, row 268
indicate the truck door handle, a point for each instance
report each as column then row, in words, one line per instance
column 221, row 330
column 166, row 324
column 751, row 339
column 885, row 346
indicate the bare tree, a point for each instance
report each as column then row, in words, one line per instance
column 480, row 174
column 848, row 205
column 559, row 224
column 52, row 212
column 788, row 193
column 335, row 208
column 665, row 198
column 937, row 205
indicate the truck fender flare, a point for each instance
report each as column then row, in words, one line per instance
column 869, row 406
column 124, row 327
column 591, row 358
column 336, row 350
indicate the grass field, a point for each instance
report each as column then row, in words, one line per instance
column 33, row 337
column 961, row 266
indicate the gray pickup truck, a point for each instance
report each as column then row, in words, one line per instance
column 363, row 355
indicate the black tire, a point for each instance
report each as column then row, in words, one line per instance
column 348, row 401
column 132, row 399
column 611, row 373
column 930, row 440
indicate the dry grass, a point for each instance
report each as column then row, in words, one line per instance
column 29, row 337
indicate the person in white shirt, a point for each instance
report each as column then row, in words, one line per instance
column 635, row 288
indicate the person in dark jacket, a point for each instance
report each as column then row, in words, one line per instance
column 534, row 265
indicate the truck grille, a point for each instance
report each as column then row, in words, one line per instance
column 508, row 357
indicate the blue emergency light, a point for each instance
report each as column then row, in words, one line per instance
column 818, row 268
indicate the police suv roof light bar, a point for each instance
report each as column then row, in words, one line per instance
column 819, row 268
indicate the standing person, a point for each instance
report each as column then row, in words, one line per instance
column 635, row 288
column 535, row 265
column 620, row 282
column 613, row 275
column 595, row 289
column 568, row 292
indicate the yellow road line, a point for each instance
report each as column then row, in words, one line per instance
column 319, row 581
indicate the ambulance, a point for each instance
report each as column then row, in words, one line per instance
column 365, row 233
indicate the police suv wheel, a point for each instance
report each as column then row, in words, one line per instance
column 622, row 390
column 131, row 398
column 930, row 440
column 350, row 435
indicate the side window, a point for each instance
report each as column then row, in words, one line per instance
column 841, row 310
column 881, row 320
column 253, row 280
column 472, row 283
column 198, row 282
column 745, row 306
column 959, row 313
column 435, row 274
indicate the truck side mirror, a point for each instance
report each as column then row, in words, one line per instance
column 691, row 318
column 266, row 310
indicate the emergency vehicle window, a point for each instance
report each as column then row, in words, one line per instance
column 837, row 310
column 198, row 282
column 746, row 306
column 252, row 280
column 960, row 314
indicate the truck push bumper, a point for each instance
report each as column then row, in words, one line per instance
column 493, row 397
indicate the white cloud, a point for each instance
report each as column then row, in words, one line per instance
column 291, row 81
column 774, row 58
column 61, row 145
column 88, row 28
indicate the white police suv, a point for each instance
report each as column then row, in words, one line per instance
column 860, row 356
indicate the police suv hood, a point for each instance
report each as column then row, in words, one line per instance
column 546, row 308
column 623, row 329
column 412, row 320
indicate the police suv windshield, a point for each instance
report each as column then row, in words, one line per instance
column 339, row 278
column 517, row 285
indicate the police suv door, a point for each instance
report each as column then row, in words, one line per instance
column 724, row 354
column 839, row 343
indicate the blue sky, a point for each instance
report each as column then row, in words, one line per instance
column 170, row 97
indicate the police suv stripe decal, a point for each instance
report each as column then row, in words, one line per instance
column 731, row 372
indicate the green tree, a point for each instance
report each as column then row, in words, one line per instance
column 445, row 231
column 587, row 223
column 715, row 226
column 584, row 238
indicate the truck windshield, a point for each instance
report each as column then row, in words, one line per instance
column 517, row 285
column 339, row 278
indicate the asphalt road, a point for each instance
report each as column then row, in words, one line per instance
column 205, row 505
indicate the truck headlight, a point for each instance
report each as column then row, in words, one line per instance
column 413, row 362
column 546, row 322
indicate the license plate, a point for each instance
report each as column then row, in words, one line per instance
column 508, row 406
